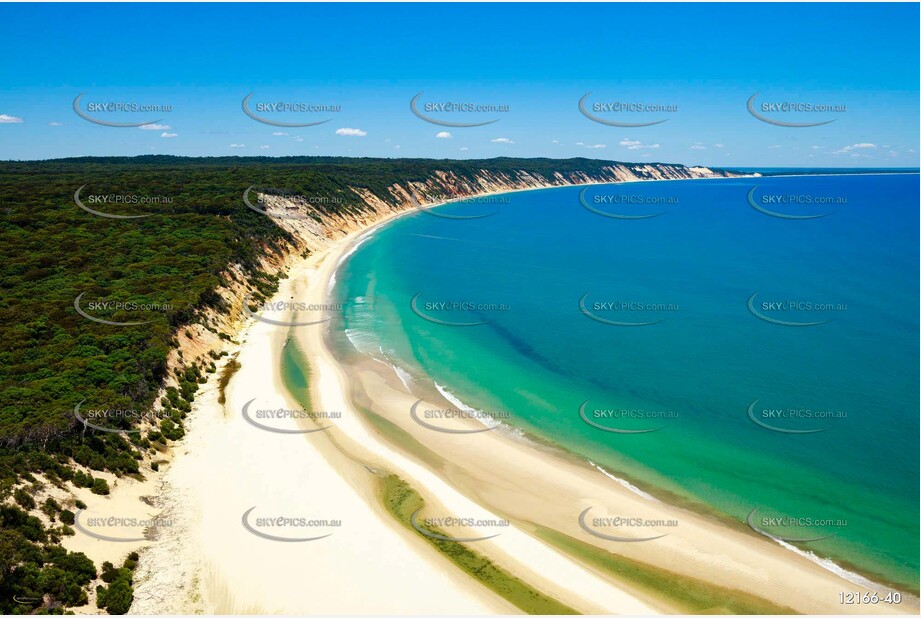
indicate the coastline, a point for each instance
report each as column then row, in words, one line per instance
column 488, row 475
column 818, row 572
column 226, row 466
column 526, row 558
column 842, row 565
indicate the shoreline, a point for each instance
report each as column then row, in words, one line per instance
column 827, row 565
column 516, row 552
column 186, row 480
column 843, row 568
column 225, row 466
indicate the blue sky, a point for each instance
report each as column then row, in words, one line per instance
column 702, row 61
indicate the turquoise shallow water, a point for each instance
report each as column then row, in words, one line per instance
column 702, row 363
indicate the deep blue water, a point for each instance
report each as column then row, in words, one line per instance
column 703, row 356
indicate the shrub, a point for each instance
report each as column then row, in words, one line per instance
column 100, row 487
column 23, row 499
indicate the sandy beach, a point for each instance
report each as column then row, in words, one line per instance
column 226, row 466
column 492, row 475
column 228, row 475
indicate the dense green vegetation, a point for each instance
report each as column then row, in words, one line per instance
column 172, row 262
column 35, row 572
column 116, row 598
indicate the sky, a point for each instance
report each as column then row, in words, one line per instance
column 693, row 66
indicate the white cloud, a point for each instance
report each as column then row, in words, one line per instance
column 298, row 139
column 238, row 145
column 698, row 146
column 165, row 134
column 155, row 127
column 351, row 132
column 264, row 147
column 502, row 140
column 464, row 148
column 717, row 145
column 631, row 144
column 443, row 135
column 55, row 124
column 279, row 134
column 774, row 146
column 397, row 147
column 4, row 119
column 556, row 141
column 858, row 146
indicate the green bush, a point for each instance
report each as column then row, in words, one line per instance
column 100, row 487
column 170, row 430
column 81, row 479
column 24, row 499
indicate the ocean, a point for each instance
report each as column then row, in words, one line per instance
column 733, row 344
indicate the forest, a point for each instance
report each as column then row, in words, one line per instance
column 153, row 275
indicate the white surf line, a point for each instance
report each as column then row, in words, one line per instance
column 332, row 394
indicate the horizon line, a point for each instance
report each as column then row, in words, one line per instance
column 283, row 157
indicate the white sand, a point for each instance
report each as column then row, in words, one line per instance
column 530, row 485
column 209, row 563
column 369, row 565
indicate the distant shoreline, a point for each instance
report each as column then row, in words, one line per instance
column 844, row 569
column 323, row 159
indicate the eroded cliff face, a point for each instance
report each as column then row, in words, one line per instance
column 315, row 224
column 314, row 227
